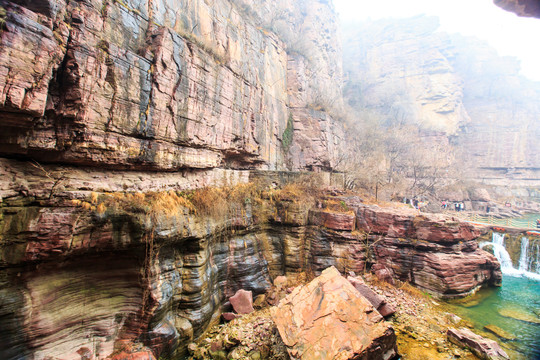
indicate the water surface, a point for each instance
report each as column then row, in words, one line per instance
column 519, row 296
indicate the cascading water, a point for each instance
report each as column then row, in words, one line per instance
column 524, row 255
column 501, row 254
column 506, row 262
column 537, row 258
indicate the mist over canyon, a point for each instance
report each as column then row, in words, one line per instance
column 159, row 156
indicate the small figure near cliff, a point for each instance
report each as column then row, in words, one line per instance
column 443, row 204
column 538, row 223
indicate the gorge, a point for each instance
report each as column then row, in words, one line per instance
column 157, row 156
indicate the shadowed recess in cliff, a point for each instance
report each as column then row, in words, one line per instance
column 79, row 303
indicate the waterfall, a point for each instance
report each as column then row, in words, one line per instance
column 501, row 254
column 506, row 262
column 524, row 256
column 537, row 258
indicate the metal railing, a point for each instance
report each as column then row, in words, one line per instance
column 489, row 219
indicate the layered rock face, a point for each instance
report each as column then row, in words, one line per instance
column 87, row 272
column 451, row 86
column 402, row 68
column 436, row 253
column 503, row 107
column 137, row 98
column 142, row 85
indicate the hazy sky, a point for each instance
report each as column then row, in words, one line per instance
column 505, row 31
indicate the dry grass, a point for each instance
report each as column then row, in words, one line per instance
column 212, row 202
column 219, row 203
column 413, row 291
column 336, row 206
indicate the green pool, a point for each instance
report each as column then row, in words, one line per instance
column 515, row 308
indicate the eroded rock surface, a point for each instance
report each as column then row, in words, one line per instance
column 329, row 319
column 485, row 348
column 138, row 85
column 435, row 253
column 117, row 274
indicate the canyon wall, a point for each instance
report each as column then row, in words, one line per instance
column 114, row 111
column 161, row 85
column 86, row 273
column 455, row 88
column 125, row 100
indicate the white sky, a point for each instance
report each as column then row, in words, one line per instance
column 505, row 31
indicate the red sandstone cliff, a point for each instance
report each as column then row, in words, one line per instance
column 113, row 109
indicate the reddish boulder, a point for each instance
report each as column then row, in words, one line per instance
column 280, row 281
column 484, row 348
column 140, row 355
column 228, row 316
column 242, row 302
column 329, row 319
column 383, row 273
column 377, row 301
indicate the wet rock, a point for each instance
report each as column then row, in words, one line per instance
column 484, row 348
column 499, row 332
column 328, row 317
column 519, row 314
column 242, row 302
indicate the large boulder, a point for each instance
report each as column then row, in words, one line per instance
column 484, row 348
column 329, row 319
column 375, row 299
column 242, row 302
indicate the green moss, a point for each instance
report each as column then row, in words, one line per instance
column 3, row 15
column 287, row 137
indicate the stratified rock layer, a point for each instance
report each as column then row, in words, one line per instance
column 484, row 348
column 139, row 85
column 435, row 253
column 329, row 319
column 73, row 270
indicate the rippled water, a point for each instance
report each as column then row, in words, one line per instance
column 519, row 295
